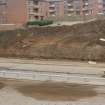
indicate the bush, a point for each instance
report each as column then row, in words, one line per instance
column 40, row 22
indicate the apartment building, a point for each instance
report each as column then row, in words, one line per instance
column 83, row 7
column 13, row 11
column 42, row 9
column 21, row 11
column 16, row 11
column 103, row 6
column 56, row 8
column 37, row 9
column 3, row 9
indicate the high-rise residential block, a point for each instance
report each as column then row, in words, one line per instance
column 3, row 11
column 83, row 7
column 37, row 9
column 21, row 11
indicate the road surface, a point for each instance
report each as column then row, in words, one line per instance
column 28, row 92
column 59, row 71
column 53, row 66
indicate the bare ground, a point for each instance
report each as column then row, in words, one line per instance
column 77, row 42
column 51, row 91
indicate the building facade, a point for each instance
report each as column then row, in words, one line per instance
column 103, row 5
column 83, row 7
column 16, row 11
column 3, row 11
column 21, row 11
column 13, row 11
column 42, row 9
column 37, row 9
column 56, row 8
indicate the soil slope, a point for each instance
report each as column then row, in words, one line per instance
column 77, row 42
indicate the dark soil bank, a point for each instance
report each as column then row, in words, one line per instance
column 77, row 42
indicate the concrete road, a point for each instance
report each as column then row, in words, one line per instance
column 9, row 93
column 59, row 71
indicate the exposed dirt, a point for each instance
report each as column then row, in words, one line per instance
column 77, row 42
column 51, row 91
column 2, row 85
column 57, row 91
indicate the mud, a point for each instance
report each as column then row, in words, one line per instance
column 2, row 85
column 57, row 91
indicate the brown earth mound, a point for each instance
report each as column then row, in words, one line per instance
column 77, row 42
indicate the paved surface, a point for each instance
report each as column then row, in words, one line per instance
column 61, row 71
column 53, row 66
column 10, row 96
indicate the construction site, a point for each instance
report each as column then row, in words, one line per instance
column 53, row 65
column 77, row 42
column 58, row 64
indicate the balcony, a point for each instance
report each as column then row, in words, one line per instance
column 85, row 8
column 52, row 5
column 86, row 3
column 69, row 15
column 52, row 10
column 35, row 14
column 69, row 4
column 36, row 6
column 70, row 9
column 3, row 3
